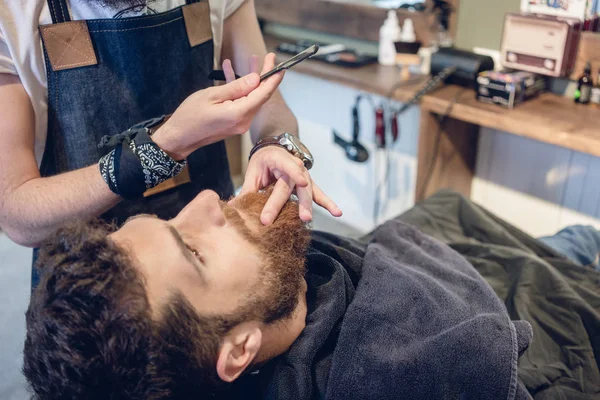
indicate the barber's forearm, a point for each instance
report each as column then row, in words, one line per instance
column 274, row 118
column 31, row 212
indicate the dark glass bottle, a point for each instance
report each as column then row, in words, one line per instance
column 584, row 86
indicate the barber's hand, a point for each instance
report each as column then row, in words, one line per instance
column 273, row 164
column 210, row 115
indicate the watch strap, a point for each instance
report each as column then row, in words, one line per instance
column 264, row 142
column 288, row 143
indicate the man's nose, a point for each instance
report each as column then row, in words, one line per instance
column 208, row 196
column 210, row 204
column 205, row 209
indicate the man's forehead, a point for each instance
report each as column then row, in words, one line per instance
column 153, row 251
column 137, row 231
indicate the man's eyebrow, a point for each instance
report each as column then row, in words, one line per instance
column 184, row 249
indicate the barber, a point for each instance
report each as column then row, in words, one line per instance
column 106, row 75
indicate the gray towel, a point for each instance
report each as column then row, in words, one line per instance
column 421, row 324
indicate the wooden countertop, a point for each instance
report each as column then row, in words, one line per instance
column 372, row 78
column 548, row 118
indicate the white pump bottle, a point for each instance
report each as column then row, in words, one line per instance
column 408, row 31
column 388, row 34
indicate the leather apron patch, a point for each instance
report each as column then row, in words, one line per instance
column 68, row 45
column 197, row 23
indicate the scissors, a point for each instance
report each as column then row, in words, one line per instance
column 297, row 59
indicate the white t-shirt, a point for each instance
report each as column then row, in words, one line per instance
column 21, row 51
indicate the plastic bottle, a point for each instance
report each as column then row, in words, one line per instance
column 408, row 32
column 388, row 34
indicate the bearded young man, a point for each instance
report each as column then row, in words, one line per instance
column 166, row 308
column 188, row 308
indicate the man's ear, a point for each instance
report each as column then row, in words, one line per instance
column 239, row 348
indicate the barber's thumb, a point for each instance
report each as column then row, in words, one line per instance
column 238, row 88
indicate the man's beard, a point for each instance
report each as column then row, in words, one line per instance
column 282, row 246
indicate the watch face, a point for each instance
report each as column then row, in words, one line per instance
column 300, row 146
column 295, row 146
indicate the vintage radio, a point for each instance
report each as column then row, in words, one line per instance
column 540, row 44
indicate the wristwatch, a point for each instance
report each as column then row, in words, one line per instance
column 289, row 142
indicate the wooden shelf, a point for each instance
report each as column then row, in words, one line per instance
column 548, row 118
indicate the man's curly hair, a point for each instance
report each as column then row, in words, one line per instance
column 90, row 333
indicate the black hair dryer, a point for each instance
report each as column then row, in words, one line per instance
column 354, row 150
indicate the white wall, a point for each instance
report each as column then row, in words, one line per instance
column 322, row 106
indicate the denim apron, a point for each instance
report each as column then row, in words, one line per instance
column 144, row 67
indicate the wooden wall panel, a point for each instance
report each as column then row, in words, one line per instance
column 538, row 187
column 589, row 50
column 345, row 19
column 454, row 166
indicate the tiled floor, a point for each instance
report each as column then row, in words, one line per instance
column 15, row 273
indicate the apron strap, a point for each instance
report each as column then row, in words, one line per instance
column 59, row 11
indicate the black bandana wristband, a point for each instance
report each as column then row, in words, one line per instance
column 136, row 164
